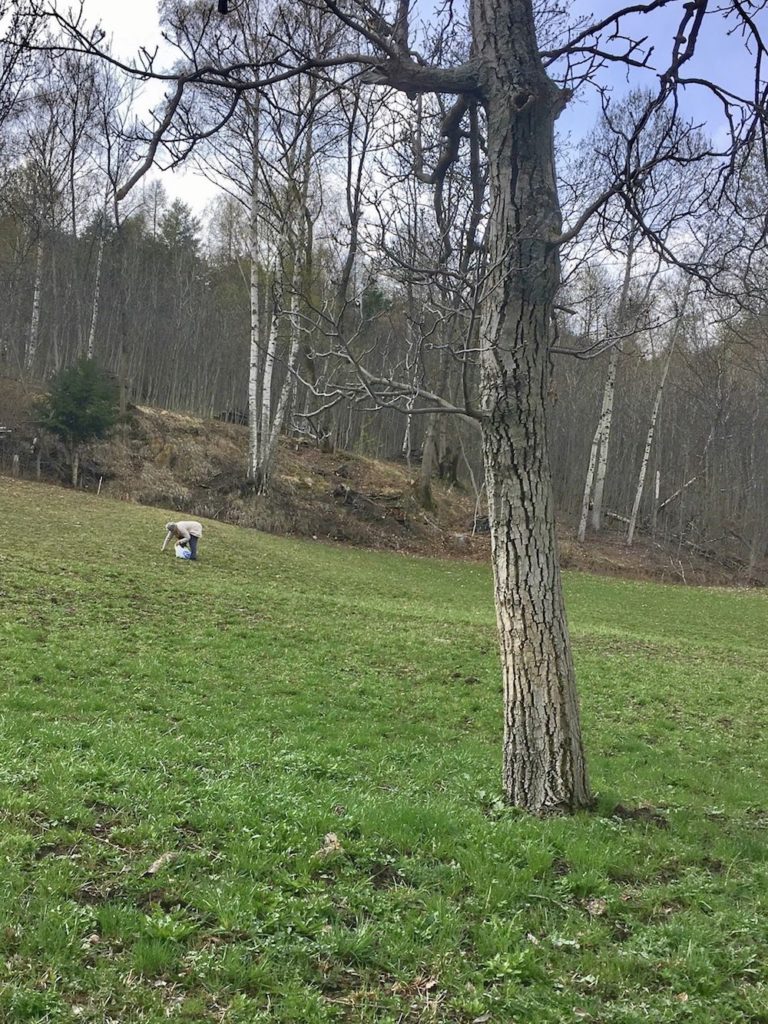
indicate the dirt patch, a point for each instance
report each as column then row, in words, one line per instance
column 645, row 814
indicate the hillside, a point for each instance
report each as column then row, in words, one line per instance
column 195, row 467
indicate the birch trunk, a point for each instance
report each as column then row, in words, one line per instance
column 254, row 352
column 296, row 237
column 543, row 761
column 582, row 534
column 654, row 416
column 604, row 429
column 255, row 330
column 266, row 398
column 606, row 411
column 648, row 444
column 289, row 383
column 655, row 514
column 96, row 299
column 34, row 322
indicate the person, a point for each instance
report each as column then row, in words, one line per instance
column 187, row 531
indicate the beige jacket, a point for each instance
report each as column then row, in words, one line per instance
column 182, row 531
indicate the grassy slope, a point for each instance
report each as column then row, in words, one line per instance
column 234, row 711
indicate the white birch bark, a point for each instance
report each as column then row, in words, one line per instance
column 656, row 489
column 289, row 383
column 654, row 416
column 604, row 430
column 254, row 348
column 648, row 444
column 266, row 397
column 606, row 411
column 254, row 354
column 96, row 299
column 296, row 239
column 34, row 322
column 581, row 535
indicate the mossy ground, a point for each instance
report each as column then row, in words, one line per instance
column 232, row 712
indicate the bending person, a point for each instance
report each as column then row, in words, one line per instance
column 187, row 531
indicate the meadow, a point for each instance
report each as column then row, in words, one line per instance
column 266, row 787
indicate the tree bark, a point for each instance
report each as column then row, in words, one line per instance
column 647, row 451
column 254, row 347
column 270, row 445
column 604, row 438
column 582, row 533
column 266, row 400
column 96, row 295
column 34, row 322
column 543, row 762
column 254, row 356
column 606, row 411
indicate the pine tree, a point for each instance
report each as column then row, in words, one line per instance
column 81, row 405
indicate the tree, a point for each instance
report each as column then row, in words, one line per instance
column 519, row 70
column 81, row 406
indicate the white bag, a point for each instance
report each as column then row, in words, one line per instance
column 182, row 552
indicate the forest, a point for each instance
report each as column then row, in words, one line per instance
column 658, row 417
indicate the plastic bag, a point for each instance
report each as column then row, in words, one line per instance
column 182, row 552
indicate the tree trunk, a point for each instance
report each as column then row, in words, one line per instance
column 604, row 428
column 428, row 463
column 430, row 448
column 254, row 356
column 543, row 763
column 606, row 411
column 647, row 452
column 655, row 512
column 582, row 534
column 270, row 445
column 654, row 417
column 96, row 296
column 34, row 322
column 254, row 352
column 266, row 401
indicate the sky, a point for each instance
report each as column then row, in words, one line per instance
column 131, row 26
column 135, row 24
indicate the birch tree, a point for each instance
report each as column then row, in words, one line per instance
column 660, row 200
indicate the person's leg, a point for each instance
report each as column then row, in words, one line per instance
column 193, row 546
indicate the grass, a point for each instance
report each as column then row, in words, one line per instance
column 232, row 713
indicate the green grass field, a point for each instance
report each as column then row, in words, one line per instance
column 232, row 713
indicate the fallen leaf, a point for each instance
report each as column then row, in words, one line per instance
column 159, row 864
column 682, row 997
column 597, row 906
column 330, row 845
